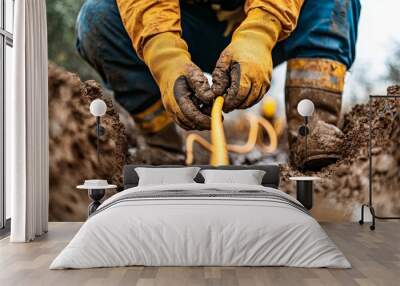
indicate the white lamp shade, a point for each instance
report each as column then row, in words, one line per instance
column 98, row 107
column 305, row 107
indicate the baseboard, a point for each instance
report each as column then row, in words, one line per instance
column 5, row 231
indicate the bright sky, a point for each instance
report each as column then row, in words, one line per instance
column 378, row 36
column 378, row 31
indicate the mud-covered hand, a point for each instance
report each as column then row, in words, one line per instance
column 185, row 91
column 243, row 70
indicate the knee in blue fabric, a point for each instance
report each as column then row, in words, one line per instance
column 325, row 29
column 85, row 23
column 90, row 25
column 103, row 42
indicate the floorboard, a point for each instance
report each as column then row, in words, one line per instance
column 374, row 255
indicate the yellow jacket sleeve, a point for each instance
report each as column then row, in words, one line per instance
column 286, row 11
column 143, row 19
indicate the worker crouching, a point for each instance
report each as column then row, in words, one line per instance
column 149, row 51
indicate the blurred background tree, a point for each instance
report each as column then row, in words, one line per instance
column 61, row 17
column 393, row 65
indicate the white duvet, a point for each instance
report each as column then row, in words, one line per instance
column 204, row 231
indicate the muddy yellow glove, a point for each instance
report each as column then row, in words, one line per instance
column 155, row 30
column 243, row 71
column 185, row 91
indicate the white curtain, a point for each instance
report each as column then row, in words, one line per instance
column 27, row 173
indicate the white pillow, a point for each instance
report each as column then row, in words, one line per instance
column 247, row 177
column 163, row 176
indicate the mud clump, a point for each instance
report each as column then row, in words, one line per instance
column 345, row 184
column 72, row 144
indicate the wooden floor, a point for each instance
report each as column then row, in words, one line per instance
column 375, row 257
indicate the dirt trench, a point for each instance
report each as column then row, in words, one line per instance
column 345, row 184
column 338, row 196
column 72, row 144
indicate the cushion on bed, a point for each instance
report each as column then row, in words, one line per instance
column 270, row 179
column 247, row 177
column 163, row 176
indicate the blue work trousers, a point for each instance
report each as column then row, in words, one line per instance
column 326, row 29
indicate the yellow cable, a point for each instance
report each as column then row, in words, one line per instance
column 251, row 139
column 190, row 140
column 273, row 137
column 218, row 147
column 219, row 152
column 254, row 135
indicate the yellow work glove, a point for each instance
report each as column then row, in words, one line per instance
column 185, row 91
column 243, row 71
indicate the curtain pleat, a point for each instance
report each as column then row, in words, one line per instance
column 28, row 160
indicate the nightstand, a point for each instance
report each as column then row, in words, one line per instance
column 304, row 190
column 96, row 191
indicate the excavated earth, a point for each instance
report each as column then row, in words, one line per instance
column 344, row 187
column 72, row 140
column 345, row 184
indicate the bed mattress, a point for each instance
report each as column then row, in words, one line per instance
column 201, row 225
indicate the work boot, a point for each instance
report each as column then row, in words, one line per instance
column 321, row 81
column 158, row 128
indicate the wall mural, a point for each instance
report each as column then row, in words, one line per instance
column 259, row 136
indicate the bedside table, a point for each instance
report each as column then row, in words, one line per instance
column 304, row 190
column 96, row 190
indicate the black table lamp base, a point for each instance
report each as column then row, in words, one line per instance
column 95, row 196
column 304, row 193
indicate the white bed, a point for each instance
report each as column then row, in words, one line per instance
column 249, row 226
